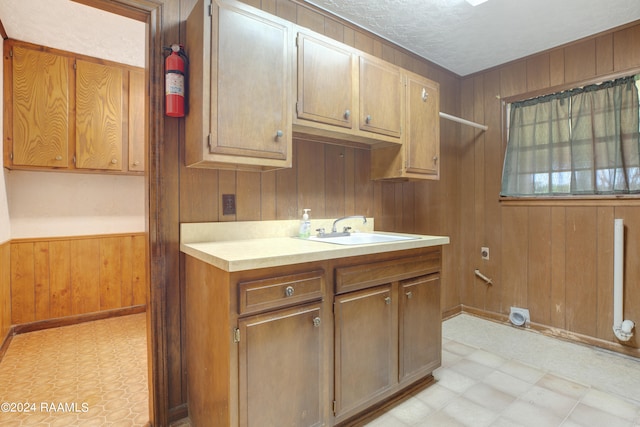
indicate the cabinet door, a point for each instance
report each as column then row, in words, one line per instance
column 41, row 106
column 280, row 368
column 324, row 82
column 365, row 348
column 253, row 86
column 380, row 97
column 420, row 326
column 137, row 121
column 422, row 143
column 99, row 116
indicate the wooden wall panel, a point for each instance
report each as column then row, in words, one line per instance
column 555, row 258
column 580, row 279
column 22, row 283
column 514, row 256
column 5, row 290
column 59, row 278
column 580, row 61
column 538, row 284
column 625, row 48
column 558, row 267
column 56, row 278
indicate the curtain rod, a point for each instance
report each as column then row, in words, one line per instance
column 463, row 121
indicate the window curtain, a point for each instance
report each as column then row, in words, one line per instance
column 583, row 141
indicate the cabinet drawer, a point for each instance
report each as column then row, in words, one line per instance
column 366, row 275
column 281, row 291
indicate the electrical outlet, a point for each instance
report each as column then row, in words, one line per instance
column 484, row 251
column 228, row 204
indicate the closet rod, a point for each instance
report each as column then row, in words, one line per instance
column 463, row 121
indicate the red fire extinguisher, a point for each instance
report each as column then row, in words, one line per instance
column 175, row 83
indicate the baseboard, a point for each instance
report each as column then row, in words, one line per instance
column 552, row 332
column 73, row 320
column 5, row 342
column 178, row 413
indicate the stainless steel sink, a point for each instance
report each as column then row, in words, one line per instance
column 362, row 238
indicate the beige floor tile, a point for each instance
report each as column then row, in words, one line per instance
column 589, row 416
column 90, row 374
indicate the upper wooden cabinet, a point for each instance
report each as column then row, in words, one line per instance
column 240, row 88
column 380, row 97
column 98, row 124
column 69, row 112
column 419, row 157
column 346, row 95
column 325, row 87
column 38, row 107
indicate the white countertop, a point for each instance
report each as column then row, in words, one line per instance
column 268, row 244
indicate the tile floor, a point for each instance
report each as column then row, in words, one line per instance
column 492, row 375
column 90, row 374
column 498, row 375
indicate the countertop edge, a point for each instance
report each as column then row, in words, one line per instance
column 301, row 251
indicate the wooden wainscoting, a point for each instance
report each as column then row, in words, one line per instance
column 5, row 293
column 61, row 277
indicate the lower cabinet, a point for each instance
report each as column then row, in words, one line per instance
column 264, row 348
column 419, row 341
column 365, row 347
column 280, row 368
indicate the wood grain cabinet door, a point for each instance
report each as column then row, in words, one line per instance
column 365, row 348
column 380, row 97
column 137, row 121
column 99, row 116
column 422, row 143
column 325, row 77
column 420, row 332
column 253, row 86
column 40, row 108
column 281, row 368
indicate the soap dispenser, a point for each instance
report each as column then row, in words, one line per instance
column 305, row 225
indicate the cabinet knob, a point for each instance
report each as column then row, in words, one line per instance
column 136, row 163
column 424, row 95
column 289, row 291
column 409, row 294
column 347, row 114
column 316, row 322
column 58, row 157
column 114, row 161
column 387, row 300
column 368, row 119
column 279, row 134
column 435, row 159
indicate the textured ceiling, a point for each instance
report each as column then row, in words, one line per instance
column 457, row 36
column 466, row 39
column 70, row 26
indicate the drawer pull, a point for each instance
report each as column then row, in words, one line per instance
column 289, row 291
column 387, row 300
column 316, row 322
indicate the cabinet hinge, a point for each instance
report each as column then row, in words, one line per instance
column 11, row 52
column 209, row 141
column 210, row 10
column 75, row 65
column 236, row 335
column 11, row 156
column 334, row 407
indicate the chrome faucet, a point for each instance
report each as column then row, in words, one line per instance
column 346, row 229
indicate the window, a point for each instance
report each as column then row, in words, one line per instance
column 583, row 141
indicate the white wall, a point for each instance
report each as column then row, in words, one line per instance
column 47, row 204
